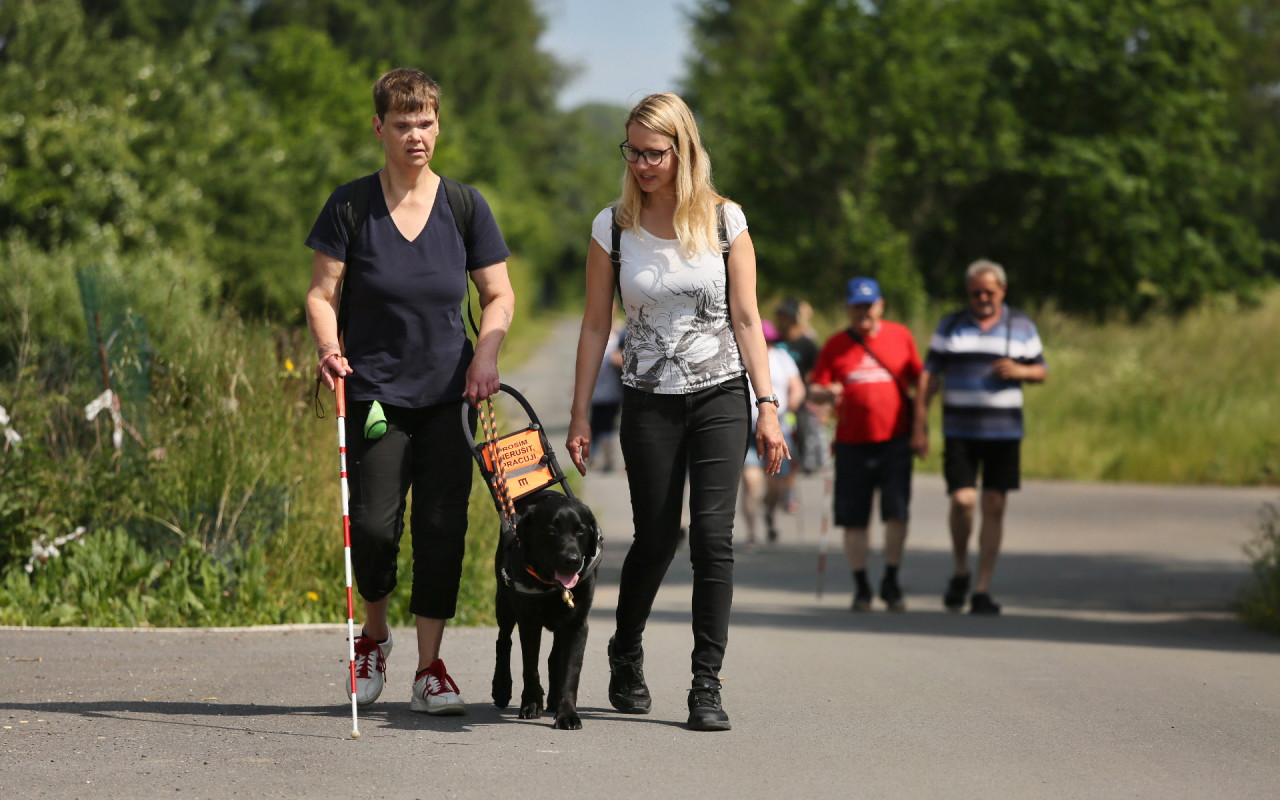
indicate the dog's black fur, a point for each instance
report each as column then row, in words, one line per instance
column 557, row 535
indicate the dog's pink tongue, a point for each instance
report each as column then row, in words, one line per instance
column 567, row 579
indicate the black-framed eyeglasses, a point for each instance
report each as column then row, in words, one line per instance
column 978, row 293
column 652, row 158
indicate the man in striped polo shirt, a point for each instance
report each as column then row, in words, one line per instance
column 980, row 357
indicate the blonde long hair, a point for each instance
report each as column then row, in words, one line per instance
column 696, row 197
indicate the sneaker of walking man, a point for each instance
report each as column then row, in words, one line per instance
column 434, row 692
column 371, row 668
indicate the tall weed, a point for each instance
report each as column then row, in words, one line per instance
column 1171, row 399
column 228, row 511
column 1260, row 602
column 1185, row 399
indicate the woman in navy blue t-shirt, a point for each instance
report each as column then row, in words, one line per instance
column 404, row 352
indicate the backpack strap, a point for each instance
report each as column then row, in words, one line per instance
column 463, row 205
column 353, row 212
column 722, row 236
column 615, row 252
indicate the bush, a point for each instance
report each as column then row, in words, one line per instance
column 226, row 512
column 110, row 579
column 1260, row 603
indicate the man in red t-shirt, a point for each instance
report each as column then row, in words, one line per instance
column 873, row 373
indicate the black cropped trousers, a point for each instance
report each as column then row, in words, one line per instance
column 424, row 451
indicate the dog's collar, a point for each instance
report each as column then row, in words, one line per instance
column 549, row 586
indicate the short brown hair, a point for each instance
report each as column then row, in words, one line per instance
column 405, row 90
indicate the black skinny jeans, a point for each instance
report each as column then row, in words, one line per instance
column 705, row 434
column 423, row 449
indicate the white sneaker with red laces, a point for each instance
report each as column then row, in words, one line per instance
column 371, row 668
column 434, row 692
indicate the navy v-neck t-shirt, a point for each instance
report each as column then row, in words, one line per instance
column 405, row 338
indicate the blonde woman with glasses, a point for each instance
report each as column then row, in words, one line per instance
column 682, row 261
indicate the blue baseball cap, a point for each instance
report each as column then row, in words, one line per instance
column 863, row 290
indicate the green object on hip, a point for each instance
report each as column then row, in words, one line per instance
column 375, row 425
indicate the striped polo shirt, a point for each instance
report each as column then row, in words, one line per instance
column 975, row 403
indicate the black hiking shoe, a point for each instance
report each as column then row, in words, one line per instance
column 627, row 690
column 891, row 594
column 861, row 600
column 956, row 591
column 705, row 711
column 982, row 605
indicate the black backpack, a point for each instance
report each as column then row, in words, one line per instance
column 355, row 210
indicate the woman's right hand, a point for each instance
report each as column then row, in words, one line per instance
column 332, row 365
column 578, row 444
column 770, row 442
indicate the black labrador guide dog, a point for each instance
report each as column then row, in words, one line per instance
column 546, row 569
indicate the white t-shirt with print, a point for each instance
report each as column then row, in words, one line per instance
column 679, row 339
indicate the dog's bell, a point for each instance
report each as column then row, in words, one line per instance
column 567, row 597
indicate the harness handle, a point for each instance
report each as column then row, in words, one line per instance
column 498, row 478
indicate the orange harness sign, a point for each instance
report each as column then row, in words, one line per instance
column 523, row 461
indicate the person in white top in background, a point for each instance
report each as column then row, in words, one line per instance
column 761, row 493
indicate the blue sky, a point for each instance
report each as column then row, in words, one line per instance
column 625, row 50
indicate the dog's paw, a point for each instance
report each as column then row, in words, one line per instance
column 532, row 709
column 567, row 721
column 501, row 692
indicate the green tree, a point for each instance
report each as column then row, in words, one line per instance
column 498, row 110
column 220, row 127
column 1087, row 145
column 1253, row 31
column 95, row 160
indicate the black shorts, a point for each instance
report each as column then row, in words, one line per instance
column 863, row 468
column 999, row 460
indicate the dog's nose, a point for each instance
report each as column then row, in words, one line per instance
column 571, row 561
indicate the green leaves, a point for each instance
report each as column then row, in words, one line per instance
column 1087, row 145
column 217, row 129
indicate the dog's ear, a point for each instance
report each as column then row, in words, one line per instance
column 522, row 521
column 586, row 518
column 584, row 511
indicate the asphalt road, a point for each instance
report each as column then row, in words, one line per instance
column 1115, row 671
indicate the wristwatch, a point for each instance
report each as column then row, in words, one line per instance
column 772, row 398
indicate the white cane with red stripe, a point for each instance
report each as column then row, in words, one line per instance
column 341, row 393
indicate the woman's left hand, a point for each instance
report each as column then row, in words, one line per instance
column 769, row 439
column 482, row 379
